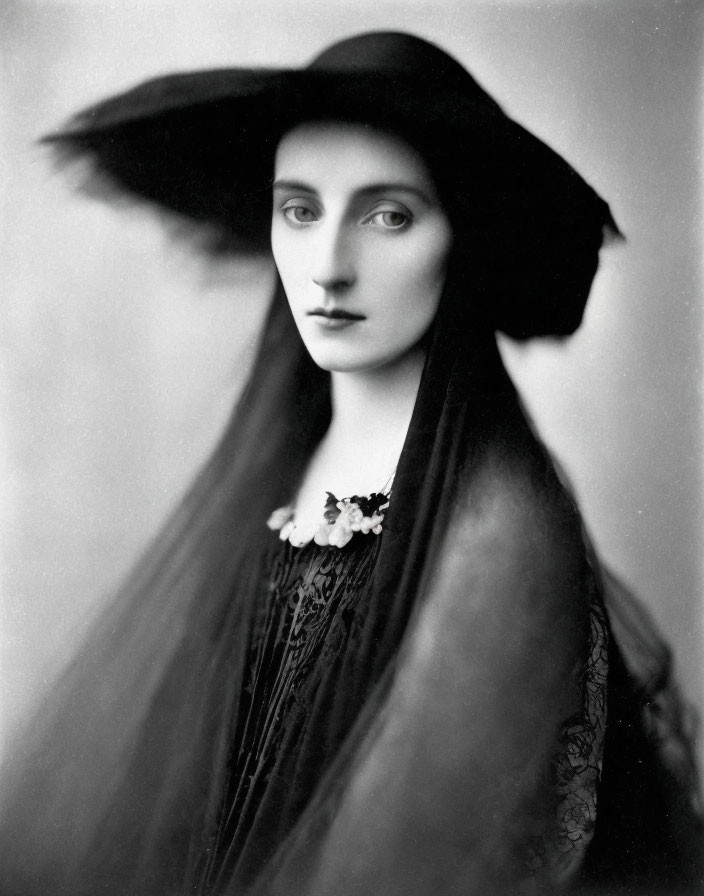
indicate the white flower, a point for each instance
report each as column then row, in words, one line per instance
column 350, row 515
column 337, row 533
column 372, row 523
column 286, row 530
column 301, row 535
column 322, row 534
column 280, row 517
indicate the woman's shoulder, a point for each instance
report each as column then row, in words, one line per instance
column 522, row 502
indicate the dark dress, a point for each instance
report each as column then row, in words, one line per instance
column 309, row 618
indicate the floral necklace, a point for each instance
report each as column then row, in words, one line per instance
column 341, row 519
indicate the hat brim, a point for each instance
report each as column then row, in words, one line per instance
column 202, row 145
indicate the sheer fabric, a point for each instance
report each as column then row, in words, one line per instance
column 445, row 736
column 311, row 613
column 650, row 834
column 467, row 744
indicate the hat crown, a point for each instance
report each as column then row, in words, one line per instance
column 395, row 53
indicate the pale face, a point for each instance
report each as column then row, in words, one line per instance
column 360, row 241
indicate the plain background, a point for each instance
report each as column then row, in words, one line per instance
column 122, row 352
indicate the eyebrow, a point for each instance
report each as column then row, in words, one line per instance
column 367, row 189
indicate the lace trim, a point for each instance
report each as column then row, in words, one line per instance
column 576, row 766
column 341, row 520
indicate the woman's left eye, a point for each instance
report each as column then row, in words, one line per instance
column 389, row 219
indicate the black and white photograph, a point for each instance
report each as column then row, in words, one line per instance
column 352, row 403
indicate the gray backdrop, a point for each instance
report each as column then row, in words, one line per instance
column 121, row 352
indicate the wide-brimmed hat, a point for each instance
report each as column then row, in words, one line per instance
column 202, row 145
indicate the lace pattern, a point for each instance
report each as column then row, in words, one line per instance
column 576, row 766
column 310, row 613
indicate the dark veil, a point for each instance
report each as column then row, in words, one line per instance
column 438, row 731
column 483, row 553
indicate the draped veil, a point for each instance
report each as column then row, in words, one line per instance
column 454, row 716
column 473, row 656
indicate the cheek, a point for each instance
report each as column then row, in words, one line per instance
column 432, row 263
column 419, row 286
column 290, row 266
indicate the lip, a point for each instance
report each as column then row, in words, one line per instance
column 335, row 314
column 334, row 318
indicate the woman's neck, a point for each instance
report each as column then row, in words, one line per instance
column 371, row 412
column 375, row 404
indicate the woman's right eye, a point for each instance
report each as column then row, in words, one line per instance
column 299, row 214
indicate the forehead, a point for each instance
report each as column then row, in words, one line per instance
column 349, row 154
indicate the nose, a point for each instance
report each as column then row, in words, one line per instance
column 333, row 267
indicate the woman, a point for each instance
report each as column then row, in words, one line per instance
column 411, row 686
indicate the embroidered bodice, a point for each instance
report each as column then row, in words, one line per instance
column 309, row 619
column 310, row 615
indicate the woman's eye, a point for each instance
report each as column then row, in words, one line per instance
column 389, row 220
column 299, row 214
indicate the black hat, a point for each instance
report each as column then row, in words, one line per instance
column 202, row 144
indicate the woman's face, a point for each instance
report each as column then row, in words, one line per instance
column 360, row 241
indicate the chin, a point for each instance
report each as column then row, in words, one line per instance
column 343, row 359
column 342, row 365
column 338, row 362
column 349, row 359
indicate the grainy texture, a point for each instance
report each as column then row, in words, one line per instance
column 121, row 355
